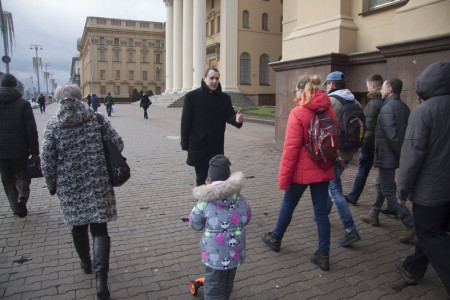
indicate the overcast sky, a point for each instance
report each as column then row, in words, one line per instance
column 57, row 24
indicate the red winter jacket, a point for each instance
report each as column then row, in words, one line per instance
column 296, row 165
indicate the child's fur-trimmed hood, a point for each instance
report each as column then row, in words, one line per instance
column 213, row 192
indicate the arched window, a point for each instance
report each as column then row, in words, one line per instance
column 245, row 19
column 265, row 21
column 264, row 69
column 244, row 68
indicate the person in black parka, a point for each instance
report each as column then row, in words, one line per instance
column 206, row 111
column 41, row 101
column 145, row 103
column 18, row 139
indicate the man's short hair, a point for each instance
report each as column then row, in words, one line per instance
column 396, row 85
column 209, row 69
column 375, row 79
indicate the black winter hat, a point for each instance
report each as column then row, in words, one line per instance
column 9, row 80
column 219, row 168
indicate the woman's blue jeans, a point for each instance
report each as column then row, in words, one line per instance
column 319, row 195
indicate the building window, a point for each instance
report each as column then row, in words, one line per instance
column 246, row 19
column 158, row 90
column 131, row 24
column 144, row 25
column 102, row 55
column 117, row 90
column 374, row 4
column 130, row 75
column 158, row 58
column 103, row 90
column 116, row 22
column 102, row 74
column 218, row 24
column 264, row 69
column 130, row 42
column 144, row 43
column 144, row 57
column 212, row 4
column 207, row 29
column 101, row 22
column 130, row 57
column 213, row 22
column 117, row 74
column 102, row 40
column 157, row 25
column 116, row 41
column 158, row 44
column 244, row 71
column 158, row 75
column 144, row 75
column 116, row 56
column 265, row 21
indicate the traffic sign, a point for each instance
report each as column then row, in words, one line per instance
column 6, row 59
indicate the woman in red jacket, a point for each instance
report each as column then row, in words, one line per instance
column 298, row 171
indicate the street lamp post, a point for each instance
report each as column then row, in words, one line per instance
column 37, row 47
column 46, row 75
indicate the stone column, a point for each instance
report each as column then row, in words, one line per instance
column 228, row 45
column 199, row 45
column 169, row 46
column 187, row 45
column 177, row 45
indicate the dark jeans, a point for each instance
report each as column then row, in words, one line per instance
column 97, row 229
column 218, row 283
column 319, row 195
column 433, row 243
column 361, row 177
column 108, row 110
column 386, row 188
column 42, row 106
column 145, row 113
column 201, row 175
column 15, row 181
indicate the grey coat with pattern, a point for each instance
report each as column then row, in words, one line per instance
column 74, row 165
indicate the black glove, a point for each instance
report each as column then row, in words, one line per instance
column 52, row 192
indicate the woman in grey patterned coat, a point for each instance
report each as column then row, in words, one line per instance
column 74, row 167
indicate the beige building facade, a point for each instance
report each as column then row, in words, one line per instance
column 118, row 56
column 395, row 38
column 239, row 37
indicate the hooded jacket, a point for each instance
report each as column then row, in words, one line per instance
column 203, row 124
column 94, row 101
column 223, row 212
column 74, row 164
column 371, row 112
column 296, row 165
column 390, row 132
column 424, row 172
column 145, row 102
column 18, row 132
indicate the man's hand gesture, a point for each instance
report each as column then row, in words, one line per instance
column 239, row 117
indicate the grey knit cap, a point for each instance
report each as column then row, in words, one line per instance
column 219, row 168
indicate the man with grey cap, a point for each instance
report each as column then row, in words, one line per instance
column 18, row 139
column 335, row 87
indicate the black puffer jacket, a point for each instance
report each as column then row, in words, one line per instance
column 203, row 124
column 425, row 160
column 371, row 112
column 18, row 132
column 390, row 132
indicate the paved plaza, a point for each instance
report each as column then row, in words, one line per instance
column 154, row 253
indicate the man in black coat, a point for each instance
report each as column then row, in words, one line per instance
column 389, row 135
column 18, row 139
column 41, row 101
column 206, row 111
column 424, row 176
column 145, row 103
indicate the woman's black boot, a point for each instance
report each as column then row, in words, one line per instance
column 81, row 242
column 322, row 259
column 101, row 265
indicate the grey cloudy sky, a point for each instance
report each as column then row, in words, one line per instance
column 57, row 24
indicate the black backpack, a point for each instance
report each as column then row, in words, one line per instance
column 352, row 124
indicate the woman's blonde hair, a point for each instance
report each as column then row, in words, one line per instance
column 309, row 84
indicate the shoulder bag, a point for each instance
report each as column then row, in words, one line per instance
column 34, row 167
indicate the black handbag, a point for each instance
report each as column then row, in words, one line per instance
column 34, row 167
column 118, row 169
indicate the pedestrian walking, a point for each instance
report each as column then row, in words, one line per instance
column 109, row 102
column 74, row 166
column 145, row 103
column 95, row 102
column 41, row 101
column 18, row 140
column 89, row 100
column 222, row 211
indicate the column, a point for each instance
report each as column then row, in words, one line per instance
column 169, row 46
column 199, row 45
column 177, row 45
column 187, row 45
column 228, row 45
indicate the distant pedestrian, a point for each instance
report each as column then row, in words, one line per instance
column 424, row 176
column 222, row 211
column 18, row 140
column 298, row 171
column 145, row 103
column 74, row 166
column 41, row 101
column 94, row 102
column 89, row 100
column 206, row 111
column 109, row 102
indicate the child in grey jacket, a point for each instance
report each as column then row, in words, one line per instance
column 223, row 212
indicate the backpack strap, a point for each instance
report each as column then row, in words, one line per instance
column 342, row 100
